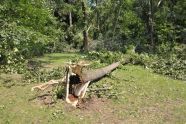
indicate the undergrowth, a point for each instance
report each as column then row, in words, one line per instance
column 34, row 76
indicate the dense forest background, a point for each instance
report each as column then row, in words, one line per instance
column 150, row 32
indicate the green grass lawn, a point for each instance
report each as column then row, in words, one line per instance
column 143, row 97
column 57, row 59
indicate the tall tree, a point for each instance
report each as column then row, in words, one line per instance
column 151, row 27
column 85, row 30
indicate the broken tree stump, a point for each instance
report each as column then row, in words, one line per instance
column 76, row 80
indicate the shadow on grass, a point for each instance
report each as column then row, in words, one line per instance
column 62, row 57
column 56, row 57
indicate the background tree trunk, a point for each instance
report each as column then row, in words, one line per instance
column 70, row 19
column 151, row 21
column 85, row 32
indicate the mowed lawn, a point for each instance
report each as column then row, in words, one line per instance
column 143, row 97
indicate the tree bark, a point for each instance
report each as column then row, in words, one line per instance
column 70, row 19
column 92, row 75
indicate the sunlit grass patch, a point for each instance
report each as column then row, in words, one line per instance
column 136, row 95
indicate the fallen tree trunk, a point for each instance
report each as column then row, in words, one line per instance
column 77, row 81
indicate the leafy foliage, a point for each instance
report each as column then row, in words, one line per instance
column 173, row 67
column 25, row 32
column 37, row 75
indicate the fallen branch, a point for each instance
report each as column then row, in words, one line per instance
column 48, row 84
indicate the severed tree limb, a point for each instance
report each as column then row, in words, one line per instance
column 48, row 84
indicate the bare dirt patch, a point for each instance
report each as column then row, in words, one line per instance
column 99, row 110
column 45, row 99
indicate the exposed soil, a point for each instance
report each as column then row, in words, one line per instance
column 98, row 109
column 45, row 99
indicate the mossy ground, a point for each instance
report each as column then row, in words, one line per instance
column 143, row 97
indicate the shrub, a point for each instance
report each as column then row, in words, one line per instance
column 173, row 67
